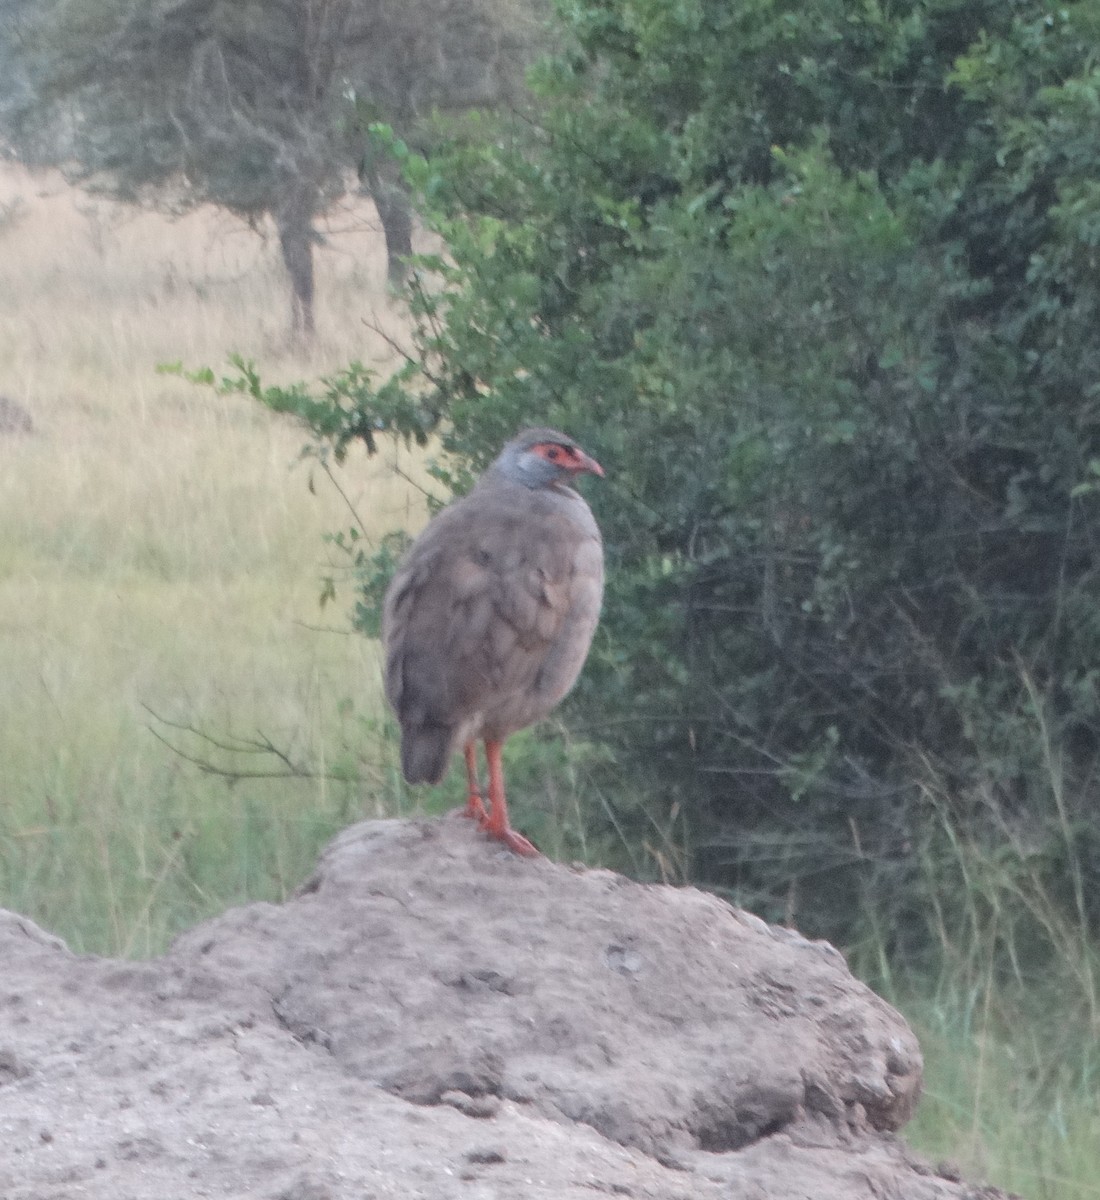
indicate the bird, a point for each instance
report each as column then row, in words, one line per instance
column 489, row 617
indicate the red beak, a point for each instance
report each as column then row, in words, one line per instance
column 588, row 464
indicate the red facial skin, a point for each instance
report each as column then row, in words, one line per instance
column 568, row 458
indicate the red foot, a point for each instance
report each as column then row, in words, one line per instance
column 513, row 840
column 475, row 809
column 496, row 823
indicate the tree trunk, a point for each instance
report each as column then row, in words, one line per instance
column 396, row 217
column 394, row 212
column 294, row 221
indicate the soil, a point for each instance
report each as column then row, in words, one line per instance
column 433, row 1017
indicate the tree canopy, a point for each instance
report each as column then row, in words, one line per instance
column 817, row 284
column 261, row 108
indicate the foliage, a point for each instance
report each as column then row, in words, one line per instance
column 818, row 285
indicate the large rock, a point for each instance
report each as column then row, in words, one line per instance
column 14, row 418
column 433, row 1017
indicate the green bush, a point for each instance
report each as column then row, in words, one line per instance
column 817, row 284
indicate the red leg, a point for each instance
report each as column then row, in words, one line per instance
column 496, row 824
column 474, row 807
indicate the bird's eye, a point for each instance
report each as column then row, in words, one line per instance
column 553, row 453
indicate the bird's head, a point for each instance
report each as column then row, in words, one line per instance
column 539, row 458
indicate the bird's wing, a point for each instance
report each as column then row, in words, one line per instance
column 483, row 600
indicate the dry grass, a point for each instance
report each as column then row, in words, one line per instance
column 160, row 549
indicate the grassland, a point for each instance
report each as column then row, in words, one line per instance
column 1001, row 1108
column 160, row 554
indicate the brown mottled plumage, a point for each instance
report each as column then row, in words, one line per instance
column 489, row 618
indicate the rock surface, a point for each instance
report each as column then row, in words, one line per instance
column 433, row 1017
column 14, row 418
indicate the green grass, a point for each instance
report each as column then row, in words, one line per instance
column 1004, row 1105
column 160, row 557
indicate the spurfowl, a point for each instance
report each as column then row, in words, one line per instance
column 488, row 620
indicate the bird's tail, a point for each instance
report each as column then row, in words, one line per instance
column 425, row 752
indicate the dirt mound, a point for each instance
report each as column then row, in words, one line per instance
column 14, row 418
column 434, row 1017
